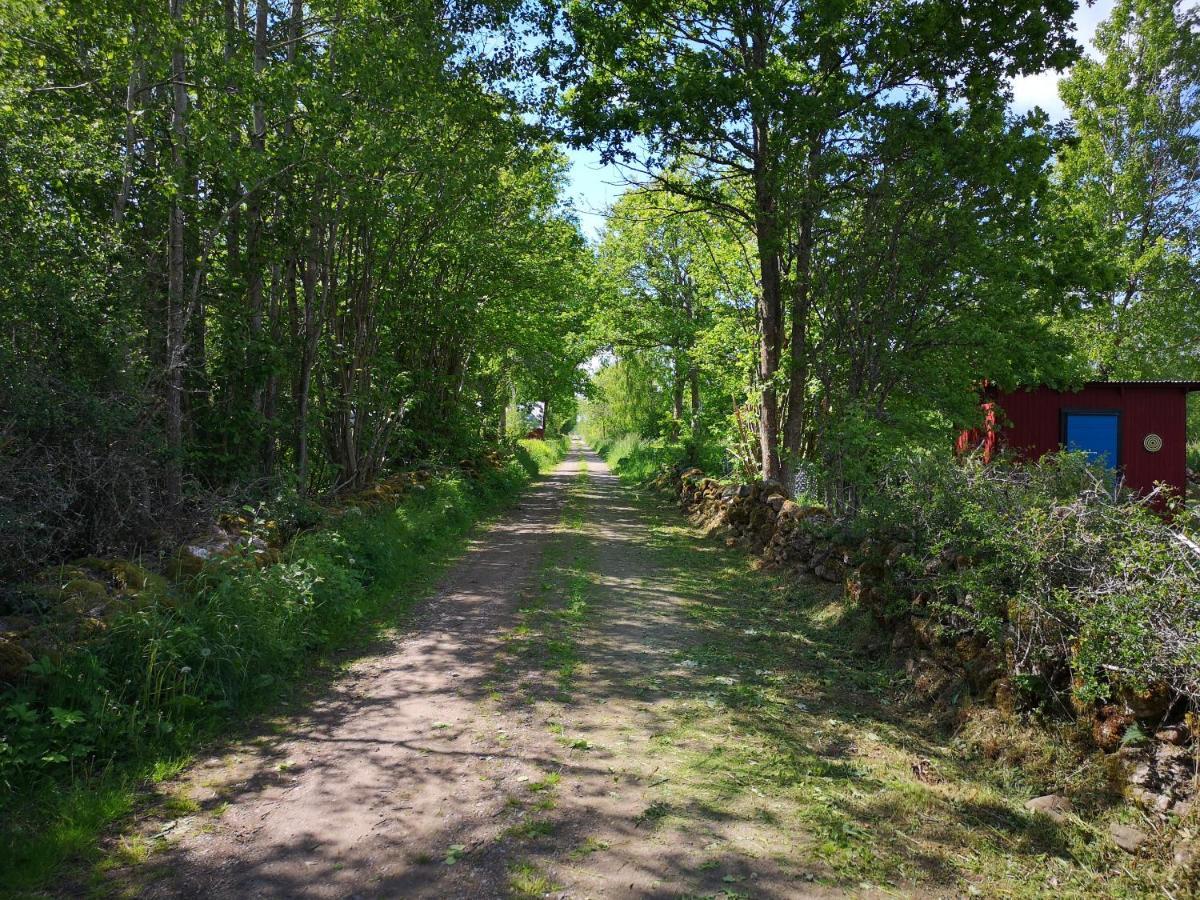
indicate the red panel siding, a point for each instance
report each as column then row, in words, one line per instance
column 1031, row 422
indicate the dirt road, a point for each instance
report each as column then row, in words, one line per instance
column 599, row 702
column 499, row 748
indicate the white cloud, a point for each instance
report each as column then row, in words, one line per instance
column 1039, row 90
column 1042, row 89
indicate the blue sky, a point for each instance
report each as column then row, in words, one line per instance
column 594, row 186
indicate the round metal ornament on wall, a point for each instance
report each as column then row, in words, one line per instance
column 1152, row 442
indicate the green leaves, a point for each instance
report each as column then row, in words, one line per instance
column 1127, row 183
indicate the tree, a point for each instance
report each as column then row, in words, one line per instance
column 261, row 246
column 1128, row 184
column 765, row 102
column 651, row 259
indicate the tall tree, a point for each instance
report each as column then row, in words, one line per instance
column 1129, row 183
column 766, row 95
column 230, row 222
column 651, row 257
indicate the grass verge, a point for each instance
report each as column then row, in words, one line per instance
column 129, row 706
column 793, row 720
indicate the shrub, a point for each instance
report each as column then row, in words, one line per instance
column 538, row 456
column 156, row 675
column 638, row 459
column 1075, row 582
column 77, row 475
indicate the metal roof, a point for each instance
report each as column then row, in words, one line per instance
column 1184, row 383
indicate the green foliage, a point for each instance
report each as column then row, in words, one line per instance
column 1097, row 593
column 539, row 457
column 160, row 678
column 636, row 459
column 862, row 160
column 1127, row 182
column 214, row 291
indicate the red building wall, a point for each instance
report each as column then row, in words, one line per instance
column 1030, row 423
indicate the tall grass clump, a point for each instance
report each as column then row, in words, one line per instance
column 94, row 715
column 635, row 458
column 540, row 456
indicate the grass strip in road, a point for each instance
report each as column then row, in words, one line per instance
column 550, row 618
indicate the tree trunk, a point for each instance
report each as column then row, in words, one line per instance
column 545, row 415
column 176, row 316
column 696, row 440
column 308, row 356
column 677, row 385
column 797, row 399
column 254, row 261
column 132, row 87
column 770, row 309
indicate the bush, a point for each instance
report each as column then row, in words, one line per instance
column 77, row 475
column 637, row 459
column 538, row 456
column 1076, row 584
column 158, row 675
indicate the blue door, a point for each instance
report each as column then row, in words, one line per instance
column 1098, row 434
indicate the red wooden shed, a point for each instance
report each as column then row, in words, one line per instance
column 1137, row 427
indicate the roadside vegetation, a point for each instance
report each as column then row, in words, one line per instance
column 131, row 699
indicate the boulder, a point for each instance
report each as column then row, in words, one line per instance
column 1172, row 734
column 190, row 558
column 14, row 659
column 771, row 488
column 1149, row 704
column 81, row 596
column 13, row 626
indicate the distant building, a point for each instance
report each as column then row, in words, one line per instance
column 1136, row 427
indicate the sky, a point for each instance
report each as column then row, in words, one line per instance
column 594, row 186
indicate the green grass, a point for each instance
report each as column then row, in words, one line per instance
column 637, row 459
column 527, row 882
column 159, row 683
column 530, row 829
column 784, row 721
column 542, row 456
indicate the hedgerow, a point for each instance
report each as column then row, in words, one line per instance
column 1080, row 585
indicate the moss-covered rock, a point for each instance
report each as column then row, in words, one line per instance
column 84, row 590
column 14, row 660
column 12, row 627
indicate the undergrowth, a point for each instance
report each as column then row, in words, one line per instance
column 540, row 455
column 130, row 704
column 636, row 458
